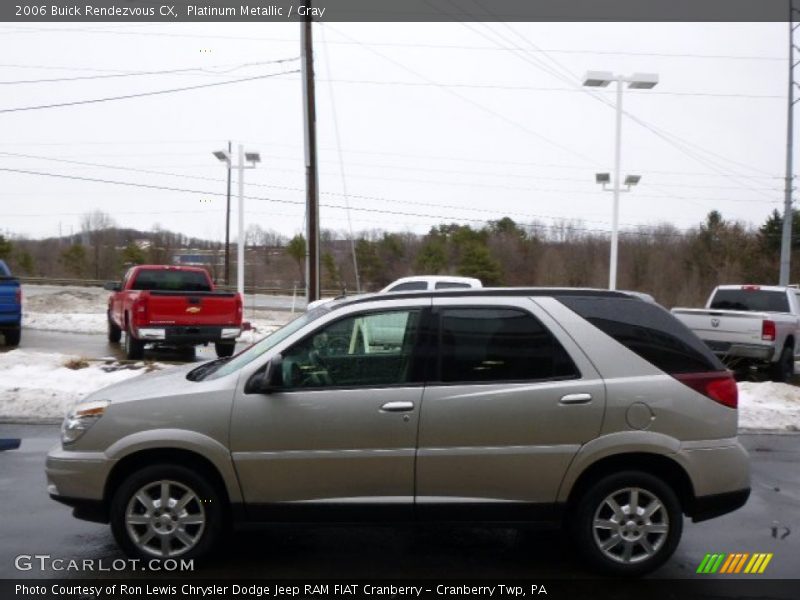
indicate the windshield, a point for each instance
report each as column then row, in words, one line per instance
column 251, row 353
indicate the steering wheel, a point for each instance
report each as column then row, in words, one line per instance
column 337, row 346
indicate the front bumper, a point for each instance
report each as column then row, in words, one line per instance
column 77, row 479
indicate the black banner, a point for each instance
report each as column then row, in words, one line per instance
column 137, row 11
column 426, row 589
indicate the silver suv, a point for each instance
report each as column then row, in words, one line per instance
column 597, row 410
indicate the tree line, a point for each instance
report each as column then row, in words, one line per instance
column 677, row 267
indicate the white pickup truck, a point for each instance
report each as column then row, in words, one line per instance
column 750, row 326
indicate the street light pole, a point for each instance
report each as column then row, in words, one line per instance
column 240, row 245
column 641, row 81
column 252, row 158
column 612, row 270
column 788, row 213
column 228, row 224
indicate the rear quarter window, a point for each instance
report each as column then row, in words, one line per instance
column 647, row 330
column 409, row 286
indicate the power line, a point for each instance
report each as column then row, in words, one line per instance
column 478, row 105
column 444, row 218
column 347, row 195
column 529, row 88
column 208, row 70
column 143, row 94
column 385, row 44
column 563, row 74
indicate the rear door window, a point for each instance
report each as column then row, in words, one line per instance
column 498, row 344
column 648, row 330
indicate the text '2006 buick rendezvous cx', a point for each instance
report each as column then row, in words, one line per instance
column 593, row 409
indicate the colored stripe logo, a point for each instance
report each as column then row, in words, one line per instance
column 737, row 562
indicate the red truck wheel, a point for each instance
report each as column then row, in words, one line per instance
column 134, row 349
column 114, row 332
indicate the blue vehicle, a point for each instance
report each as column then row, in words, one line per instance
column 10, row 306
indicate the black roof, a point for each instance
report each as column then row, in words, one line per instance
column 486, row 292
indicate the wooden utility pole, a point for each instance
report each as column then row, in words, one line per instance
column 312, row 181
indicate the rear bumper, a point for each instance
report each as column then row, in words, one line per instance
column 715, row 505
column 188, row 335
column 730, row 350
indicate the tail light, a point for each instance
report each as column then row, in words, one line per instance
column 140, row 307
column 239, row 312
column 768, row 331
column 720, row 386
column 18, row 296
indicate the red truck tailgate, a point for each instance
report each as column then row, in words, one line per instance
column 200, row 308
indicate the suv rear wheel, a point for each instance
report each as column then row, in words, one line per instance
column 627, row 523
column 166, row 511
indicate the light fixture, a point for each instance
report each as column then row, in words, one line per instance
column 252, row 157
column 632, row 180
column 602, row 178
column 222, row 155
column 598, row 78
column 642, row 81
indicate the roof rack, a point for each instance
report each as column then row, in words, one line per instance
column 491, row 292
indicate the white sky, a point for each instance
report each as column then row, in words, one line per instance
column 448, row 121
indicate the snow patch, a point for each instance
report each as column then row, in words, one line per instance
column 769, row 405
column 38, row 386
column 91, row 323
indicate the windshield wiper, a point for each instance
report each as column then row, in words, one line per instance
column 206, row 369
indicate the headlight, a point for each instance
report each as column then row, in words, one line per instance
column 81, row 418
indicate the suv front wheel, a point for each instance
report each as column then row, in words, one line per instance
column 166, row 511
column 627, row 523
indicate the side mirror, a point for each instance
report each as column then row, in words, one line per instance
column 112, row 286
column 266, row 380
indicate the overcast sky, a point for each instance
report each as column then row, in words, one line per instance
column 436, row 123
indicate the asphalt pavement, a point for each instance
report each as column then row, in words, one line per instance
column 31, row 523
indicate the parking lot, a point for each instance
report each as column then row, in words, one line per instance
column 768, row 523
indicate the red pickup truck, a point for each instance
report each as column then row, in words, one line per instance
column 172, row 306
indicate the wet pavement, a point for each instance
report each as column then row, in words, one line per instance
column 97, row 346
column 31, row 523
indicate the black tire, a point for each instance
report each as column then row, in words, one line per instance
column 224, row 349
column 783, row 370
column 134, row 349
column 12, row 336
column 114, row 332
column 633, row 532
column 206, row 505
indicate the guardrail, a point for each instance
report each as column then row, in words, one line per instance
column 267, row 291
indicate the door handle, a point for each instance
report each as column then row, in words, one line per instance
column 397, row 407
column 575, row 399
